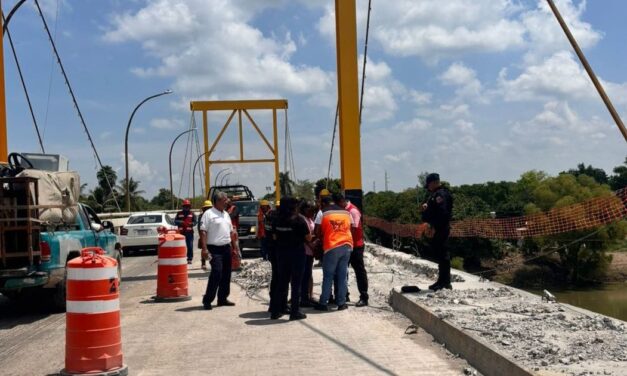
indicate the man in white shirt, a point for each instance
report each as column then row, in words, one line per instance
column 215, row 234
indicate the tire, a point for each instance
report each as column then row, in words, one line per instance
column 59, row 295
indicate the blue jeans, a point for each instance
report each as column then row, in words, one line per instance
column 335, row 264
column 189, row 241
column 264, row 248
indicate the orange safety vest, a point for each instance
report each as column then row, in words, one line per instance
column 336, row 228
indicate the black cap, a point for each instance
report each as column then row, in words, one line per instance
column 431, row 178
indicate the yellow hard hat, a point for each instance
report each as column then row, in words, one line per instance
column 325, row 192
column 207, row 204
column 264, row 203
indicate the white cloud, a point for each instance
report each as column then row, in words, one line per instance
column 415, row 125
column 167, row 124
column 466, row 81
column 208, row 47
column 545, row 36
column 433, row 29
column 139, row 171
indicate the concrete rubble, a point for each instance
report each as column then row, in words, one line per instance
column 542, row 336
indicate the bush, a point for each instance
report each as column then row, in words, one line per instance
column 457, row 263
column 533, row 276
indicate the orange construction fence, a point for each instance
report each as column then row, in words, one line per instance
column 588, row 214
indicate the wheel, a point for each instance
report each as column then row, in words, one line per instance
column 59, row 295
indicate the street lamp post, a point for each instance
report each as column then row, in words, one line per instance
column 227, row 180
column 128, row 127
column 170, row 163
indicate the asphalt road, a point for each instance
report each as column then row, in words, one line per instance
column 183, row 339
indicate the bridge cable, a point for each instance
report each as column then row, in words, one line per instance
column 19, row 71
column 78, row 110
column 361, row 98
column 50, row 77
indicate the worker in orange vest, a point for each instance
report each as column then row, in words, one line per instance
column 186, row 220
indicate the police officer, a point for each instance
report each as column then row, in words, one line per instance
column 290, row 233
column 437, row 212
column 271, row 248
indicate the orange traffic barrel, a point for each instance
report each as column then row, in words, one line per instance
column 172, row 281
column 93, row 338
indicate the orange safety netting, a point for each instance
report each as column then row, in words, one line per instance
column 589, row 214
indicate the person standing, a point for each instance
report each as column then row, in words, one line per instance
column 357, row 256
column 186, row 220
column 307, row 212
column 337, row 243
column 203, row 260
column 291, row 232
column 271, row 244
column 264, row 208
column 437, row 212
column 216, row 232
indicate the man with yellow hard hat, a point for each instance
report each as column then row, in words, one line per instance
column 205, row 206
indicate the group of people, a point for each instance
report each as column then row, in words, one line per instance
column 296, row 232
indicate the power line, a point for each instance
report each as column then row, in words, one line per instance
column 19, row 71
column 363, row 73
column 56, row 23
column 80, row 114
column 337, row 113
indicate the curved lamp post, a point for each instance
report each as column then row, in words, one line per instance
column 128, row 127
column 170, row 164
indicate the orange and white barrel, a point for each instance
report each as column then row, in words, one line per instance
column 172, row 282
column 93, row 344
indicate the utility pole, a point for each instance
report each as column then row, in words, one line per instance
column 374, row 186
column 386, row 180
column 4, row 141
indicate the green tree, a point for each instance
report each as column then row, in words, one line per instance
column 105, row 172
column 134, row 194
column 304, row 189
column 619, row 179
column 597, row 174
column 163, row 199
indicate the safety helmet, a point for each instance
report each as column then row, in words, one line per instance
column 264, row 203
column 325, row 192
column 207, row 204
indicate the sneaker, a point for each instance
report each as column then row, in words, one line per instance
column 226, row 303
column 207, row 307
column 332, row 300
column 276, row 315
column 189, row 262
column 362, row 303
column 434, row 286
column 342, row 307
column 321, row 307
column 297, row 316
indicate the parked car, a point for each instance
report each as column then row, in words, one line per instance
column 247, row 230
column 140, row 233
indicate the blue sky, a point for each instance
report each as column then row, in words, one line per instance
column 474, row 89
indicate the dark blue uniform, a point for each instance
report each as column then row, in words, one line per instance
column 438, row 214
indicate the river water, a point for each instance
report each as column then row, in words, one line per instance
column 610, row 300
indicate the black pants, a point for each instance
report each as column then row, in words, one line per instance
column 442, row 255
column 357, row 262
column 275, row 275
column 291, row 266
column 305, row 296
column 220, row 278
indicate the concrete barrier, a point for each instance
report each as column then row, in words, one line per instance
column 484, row 357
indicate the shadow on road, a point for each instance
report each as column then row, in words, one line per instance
column 154, row 277
column 23, row 312
column 190, row 309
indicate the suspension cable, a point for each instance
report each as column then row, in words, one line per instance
column 80, row 114
column 337, row 114
column 19, row 71
column 363, row 73
column 50, row 77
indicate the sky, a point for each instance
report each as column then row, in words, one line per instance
column 477, row 90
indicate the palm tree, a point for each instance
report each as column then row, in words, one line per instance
column 133, row 192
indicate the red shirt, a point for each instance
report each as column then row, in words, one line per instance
column 358, row 229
